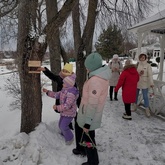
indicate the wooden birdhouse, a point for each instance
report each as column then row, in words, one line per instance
column 33, row 65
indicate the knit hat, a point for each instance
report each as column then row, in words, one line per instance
column 68, row 67
column 93, row 61
column 115, row 56
column 69, row 81
column 128, row 62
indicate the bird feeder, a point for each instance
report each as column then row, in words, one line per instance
column 33, row 65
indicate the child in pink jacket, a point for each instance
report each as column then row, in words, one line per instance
column 68, row 107
column 94, row 94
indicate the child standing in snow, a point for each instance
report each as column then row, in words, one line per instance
column 67, row 108
column 66, row 71
column 128, row 81
column 94, row 95
column 146, row 80
column 116, row 67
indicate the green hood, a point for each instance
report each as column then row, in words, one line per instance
column 104, row 72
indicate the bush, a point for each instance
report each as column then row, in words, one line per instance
column 13, row 88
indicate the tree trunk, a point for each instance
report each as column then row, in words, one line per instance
column 31, row 104
column 56, row 20
column 90, row 26
column 84, row 43
column 64, row 54
column 76, row 27
column 54, row 41
column 27, row 49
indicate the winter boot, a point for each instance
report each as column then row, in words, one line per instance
column 111, row 92
column 133, row 107
column 79, row 152
column 148, row 112
column 69, row 142
column 116, row 96
column 86, row 163
column 126, row 117
column 92, row 156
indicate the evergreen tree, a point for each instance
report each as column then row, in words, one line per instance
column 110, row 42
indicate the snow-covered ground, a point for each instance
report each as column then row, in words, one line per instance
column 119, row 142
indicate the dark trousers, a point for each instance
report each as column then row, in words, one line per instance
column 78, row 135
column 128, row 108
column 111, row 90
column 91, row 152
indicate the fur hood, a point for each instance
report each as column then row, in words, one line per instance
column 129, row 66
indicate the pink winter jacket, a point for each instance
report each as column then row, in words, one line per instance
column 94, row 95
column 67, row 97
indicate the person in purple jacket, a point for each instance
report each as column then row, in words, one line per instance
column 67, row 108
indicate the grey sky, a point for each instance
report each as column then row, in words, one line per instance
column 159, row 6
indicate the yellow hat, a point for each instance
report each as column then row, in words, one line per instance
column 68, row 67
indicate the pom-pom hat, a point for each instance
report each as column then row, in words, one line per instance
column 115, row 56
column 68, row 67
column 93, row 61
column 69, row 81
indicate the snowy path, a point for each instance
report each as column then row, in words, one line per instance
column 120, row 142
column 137, row 142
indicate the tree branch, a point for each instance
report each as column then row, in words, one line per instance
column 5, row 5
column 60, row 18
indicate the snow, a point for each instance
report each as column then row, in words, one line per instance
column 41, row 38
column 157, row 17
column 119, row 142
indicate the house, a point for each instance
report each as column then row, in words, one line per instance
column 155, row 25
column 153, row 51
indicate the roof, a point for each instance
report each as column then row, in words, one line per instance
column 155, row 24
column 154, row 46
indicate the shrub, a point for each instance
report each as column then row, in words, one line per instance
column 13, row 88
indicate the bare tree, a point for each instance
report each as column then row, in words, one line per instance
column 30, row 116
column 29, row 48
column 84, row 43
column 8, row 23
column 100, row 14
column 54, row 41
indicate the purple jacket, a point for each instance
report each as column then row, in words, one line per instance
column 67, row 97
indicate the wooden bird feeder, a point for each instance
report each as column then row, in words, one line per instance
column 33, row 65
